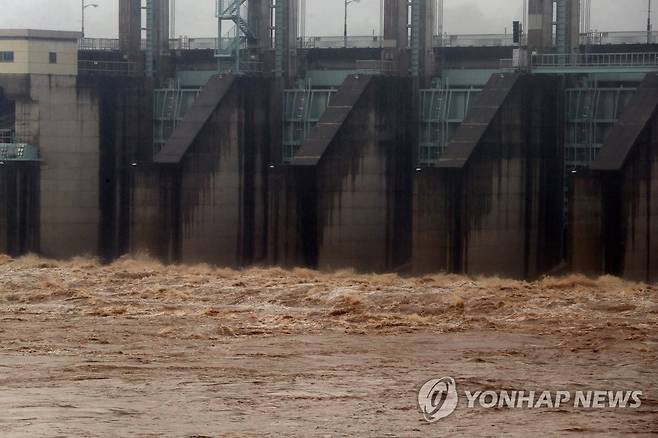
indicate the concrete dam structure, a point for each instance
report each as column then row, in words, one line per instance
column 411, row 151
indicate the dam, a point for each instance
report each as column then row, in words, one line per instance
column 411, row 151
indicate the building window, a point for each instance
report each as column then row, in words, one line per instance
column 6, row 56
column 52, row 57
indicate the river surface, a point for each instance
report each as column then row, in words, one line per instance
column 137, row 349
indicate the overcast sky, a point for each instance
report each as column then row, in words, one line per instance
column 324, row 17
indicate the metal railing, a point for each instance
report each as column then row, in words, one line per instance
column 98, row 44
column 595, row 60
column 608, row 38
column 374, row 41
column 481, row 40
column 353, row 42
column 193, row 44
column 185, row 43
column 107, row 68
column 314, row 42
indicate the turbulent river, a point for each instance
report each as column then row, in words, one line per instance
column 136, row 348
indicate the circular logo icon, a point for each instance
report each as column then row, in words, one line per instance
column 437, row 398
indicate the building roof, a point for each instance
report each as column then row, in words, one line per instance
column 39, row 34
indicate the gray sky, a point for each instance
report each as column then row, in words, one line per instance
column 324, row 17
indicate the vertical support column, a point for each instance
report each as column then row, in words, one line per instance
column 162, row 27
column 150, row 38
column 396, row 20
column 422, row 22
column 291, row 37
column 429, row 26
column 285, row 38
column 280, row 14
column 561, row 35
column 157, row 36
column 574, row 25
column 568, row 26
column 396, row 33
column 417, row 12
column 540, row 25
column 259, row 23
column 130, row 26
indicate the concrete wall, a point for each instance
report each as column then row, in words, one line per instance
column 348, row 194
column 154, row 212
column 126, row 147
column 211, row 205
column 585, row 237
column 94, row 135
column 508, row 195
column 223, row 180
column 639, row 208
column 436, row 219
column 86, row 139
column 292, row 218
column 364, row 184
column 614, row 219
column 66, row 119
column 513, row 188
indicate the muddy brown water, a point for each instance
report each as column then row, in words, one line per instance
column 139, row 349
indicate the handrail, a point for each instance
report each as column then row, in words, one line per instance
column 595, row 59
column 107, row 68
column 374, row 41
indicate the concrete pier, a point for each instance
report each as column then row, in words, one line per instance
column 618, row 200
column 357, row 168
column 410, row 153
column 495, row 187
column 205, row 195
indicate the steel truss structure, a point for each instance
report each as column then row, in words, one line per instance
column 442, row 110
column 591, row 111
column 170, row 105
column 302, row 109
column 230, row 45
